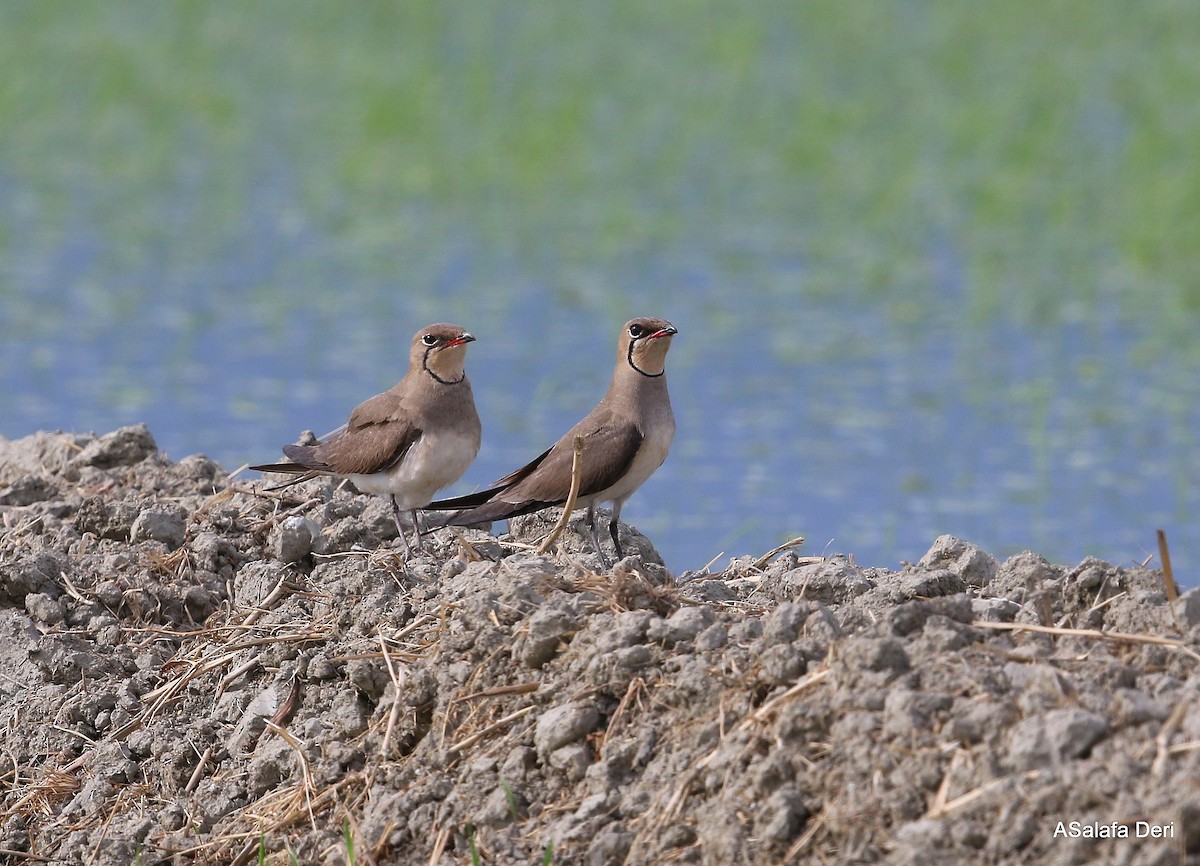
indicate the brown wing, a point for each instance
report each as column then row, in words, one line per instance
column 377, row 436
column 609, row 448
column 380, row 409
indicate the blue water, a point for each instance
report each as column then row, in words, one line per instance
column 930, row 276
column 797, row 413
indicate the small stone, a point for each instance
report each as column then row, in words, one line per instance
column 920, row 583
column 200, row 468
column 160, row 524
column 43, row 608
column 909, row 617
column 368, row 676
column 632, row 657
column 785, row 622
column 592, row 807
column 564, row 724
column 747, row 629
column 520, row 761
column 710, row 591
column 530, row 567
column 907, row 713
column 199, row 602
column 712, row 638
column 123, row 447
column 683, row 624
column 322, row 667
column 254, row 583
column 573, row 760
column 214, row 800
column 995, row 609
column 1029, row 571
column 253, row 720
column 782, row 664
column 61, row 658
column 969, row 561
column 1187, row 608
column 874, row 654
column 1135, row 707
column 294, row 540
column 272, row 763
column 27, row 490
column 112, row 520
column 109, row 594
column 206, row 551
column 611, row 845
column 1090, row 578
column 629, row 629
column 833, row 580
column 781, row 816
column 549, row 629
column 922, row 835
column 1055, row 736
column 502, row 807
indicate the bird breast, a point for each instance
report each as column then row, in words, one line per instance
column 649, row 457
column 433, row 462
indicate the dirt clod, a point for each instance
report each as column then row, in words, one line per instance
column 200, row 670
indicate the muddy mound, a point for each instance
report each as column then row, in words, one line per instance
column 196, row 670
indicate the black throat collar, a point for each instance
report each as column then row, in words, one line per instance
column 437, row 378
column 629, row 357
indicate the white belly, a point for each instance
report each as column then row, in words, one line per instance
column 649, row 457
column 430, row 465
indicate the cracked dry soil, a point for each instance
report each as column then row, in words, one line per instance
column 195, row 671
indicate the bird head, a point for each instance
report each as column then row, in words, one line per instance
column 644, row 343
column 441, row 350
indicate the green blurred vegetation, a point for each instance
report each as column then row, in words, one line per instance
column 960, row 239
column 1025, row 159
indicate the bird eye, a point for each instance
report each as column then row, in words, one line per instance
column 636, row 331
column 429, row 340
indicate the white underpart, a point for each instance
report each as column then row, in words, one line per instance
column 650, row 456
column 430, row 465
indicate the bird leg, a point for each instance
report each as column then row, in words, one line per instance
column 400, row 527
column 417, row 530
column 591, row 525
column 612, row 529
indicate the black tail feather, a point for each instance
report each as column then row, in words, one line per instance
column 458, row 503
column 303, row 473
column 489, row 512
column 280, row 467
